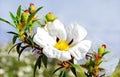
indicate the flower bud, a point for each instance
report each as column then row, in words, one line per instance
column 24, row 16
column 32, row 8
column 101, row 49
column 49, row 17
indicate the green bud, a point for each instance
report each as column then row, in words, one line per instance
column 24, row 16
column 49, row 17
column 101, row 49
column 32, row 8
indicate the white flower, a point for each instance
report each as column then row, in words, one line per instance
column 61, row 42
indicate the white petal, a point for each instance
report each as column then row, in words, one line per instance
column 79, row 51
column 51, row 52
column 75, row 32
column 42, row 38
column 56, row 28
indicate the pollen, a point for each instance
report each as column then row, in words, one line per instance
column 62, row 45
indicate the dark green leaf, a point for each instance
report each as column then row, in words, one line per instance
column 13, row 47
column 13, row 17
column 63, row 73
column 14, row 38
column 22, row 51
column 31, row 41
column 73, row 71
column 33, row 14
column 12, row 33
column 18, row 47
column 44, row 60
column 1, row 19
column 79, row 69
column 19, row 12
column 37, row 64
column 57, row 70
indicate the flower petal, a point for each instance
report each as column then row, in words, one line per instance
column 51, row 52
column 79, row 51
column 42, row 38
column 75, row 32
column 56, row 28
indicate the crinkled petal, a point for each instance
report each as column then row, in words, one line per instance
column 56, row 28
column 76, row 32
column 52, row 52
column 42, row 38
column 79, row 51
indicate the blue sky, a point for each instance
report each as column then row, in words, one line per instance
column 100, row 17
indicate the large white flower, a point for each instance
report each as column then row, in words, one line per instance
column 62, row 42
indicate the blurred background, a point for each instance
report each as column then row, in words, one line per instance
column 101, row 18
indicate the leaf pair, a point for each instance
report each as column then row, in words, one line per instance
column 42, row 59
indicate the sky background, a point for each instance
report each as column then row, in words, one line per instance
column 101, row 18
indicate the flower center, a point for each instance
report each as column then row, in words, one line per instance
column 62, row 45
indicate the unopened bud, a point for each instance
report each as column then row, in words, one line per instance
column 32, row 8
column 50, row 17
column 101, row 49
column 24, row 16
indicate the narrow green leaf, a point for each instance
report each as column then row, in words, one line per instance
column 30, row 41
column 32, row 15
column 18, row 47
column 106, row 52
column 63, row 73
column 1, row 19
column 57, row 70
column 44, row 60
column 73, row 71
column 13, row 47
column 12, row 33
column 14, row 38
column 79, row 69
column 37, row 64
column 22, row 51
column 13, row 18
column 19, row 12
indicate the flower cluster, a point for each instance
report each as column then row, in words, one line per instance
column 54, row 40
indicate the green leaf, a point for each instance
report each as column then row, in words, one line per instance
column 13, row 47
column 30, row 41
column 12, row 33
column 37, row 64
column 13, row 18
column 57, row 70
column 63, row 73
column 14, row 38
column 1, row 19
column 18, row 47
column 44, row 60
column 33, row 14
column 22, row 51
column 79, row 69
column 19, row 12
column 73, row 71
column 106, row 52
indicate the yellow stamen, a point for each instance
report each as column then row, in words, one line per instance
column 62, row 45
